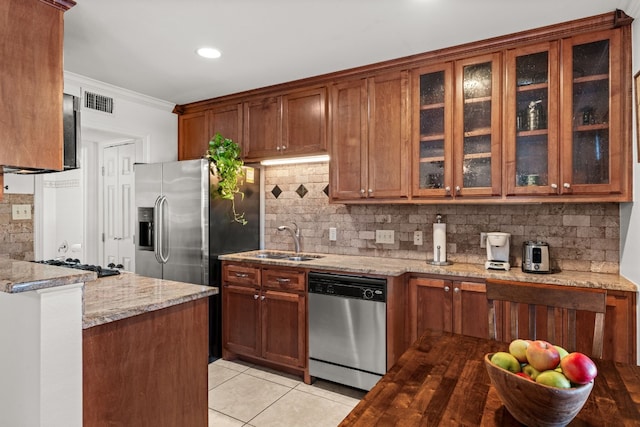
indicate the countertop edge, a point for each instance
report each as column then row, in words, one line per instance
column 394, row 267
column 89, row 321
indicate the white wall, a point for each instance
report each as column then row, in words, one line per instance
column 67, row 203
column 630, row 212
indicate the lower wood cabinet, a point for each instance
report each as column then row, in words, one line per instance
column 264, row 312
column 446, row 305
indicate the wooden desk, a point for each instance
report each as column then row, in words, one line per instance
column 441, row 380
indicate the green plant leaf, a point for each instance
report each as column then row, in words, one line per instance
column 225, row 163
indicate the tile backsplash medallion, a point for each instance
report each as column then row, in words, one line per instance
column 582, row 237
column 16, row 236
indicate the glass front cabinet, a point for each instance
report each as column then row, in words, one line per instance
column 558, row 134
column 457, row 129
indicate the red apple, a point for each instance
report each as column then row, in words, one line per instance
column 523, row 375
column 542, row 355
column 578, row 368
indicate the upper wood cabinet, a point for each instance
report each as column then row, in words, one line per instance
column 196, row 129
column 566, row 141
column 369, row 138
column 290, row 125
column 31, row 83
column 456, row 128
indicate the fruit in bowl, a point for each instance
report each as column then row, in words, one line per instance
column 551, row 396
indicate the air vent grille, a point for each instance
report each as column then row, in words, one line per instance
column 97, row 102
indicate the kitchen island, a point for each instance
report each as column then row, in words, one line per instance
column 62, row 330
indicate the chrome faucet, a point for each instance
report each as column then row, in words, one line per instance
column 295, row 234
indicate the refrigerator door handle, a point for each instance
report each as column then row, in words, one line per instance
column 157, row 224
column 163, row 259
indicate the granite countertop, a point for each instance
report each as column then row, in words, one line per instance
column 117, row 297
column 22, row 276
column 398, row 267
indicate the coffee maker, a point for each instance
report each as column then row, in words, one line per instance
column 498, row 251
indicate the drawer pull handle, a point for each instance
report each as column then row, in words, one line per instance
column 282, row 280
column 242, row 275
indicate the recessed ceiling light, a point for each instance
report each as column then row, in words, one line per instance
column 208, row 52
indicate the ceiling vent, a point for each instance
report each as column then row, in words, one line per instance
column 97, row 102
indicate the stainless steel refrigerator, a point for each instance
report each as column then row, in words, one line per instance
column 181, row 230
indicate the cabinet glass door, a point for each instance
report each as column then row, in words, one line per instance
column 588, row 164
column 532, row 113
column 478, row 142
column 432, row 130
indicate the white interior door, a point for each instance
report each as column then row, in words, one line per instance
column 119, row 205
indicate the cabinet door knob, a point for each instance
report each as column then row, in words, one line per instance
column 446, row 289
column 284, row 147
column 370, row 191
column 262, row 298
column 456, row 290
column 255, row 296
column 447, row 189
column 458, row 189
column 278, row 148
column 554, row 186
column 566, row 185
column 362, row 192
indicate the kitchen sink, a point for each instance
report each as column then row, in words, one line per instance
column 286, row 256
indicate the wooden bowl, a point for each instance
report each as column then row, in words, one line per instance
column 536, row 404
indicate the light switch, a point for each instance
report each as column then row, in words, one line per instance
column 20, row 212
column 385, row 236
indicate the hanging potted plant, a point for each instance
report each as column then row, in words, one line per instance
column 227, row 172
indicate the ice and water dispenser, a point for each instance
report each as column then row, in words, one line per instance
column 145, row 229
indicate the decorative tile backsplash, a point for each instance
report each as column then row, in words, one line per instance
column 16, row 236
column 582, row 237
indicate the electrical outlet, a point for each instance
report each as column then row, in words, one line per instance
column 385, row 236
column 483, row 240
column 417, row 238
column 21, row 211
column 332, row 234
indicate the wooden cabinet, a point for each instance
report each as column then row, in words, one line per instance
column 447, row 305
column 290, row 124
column 560, row 141
column 196, row 129
column 456, row 125
column 369, row 142
column 264, row 314
column 32, row 79
column 593, row 158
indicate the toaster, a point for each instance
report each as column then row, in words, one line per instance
column 535, row 257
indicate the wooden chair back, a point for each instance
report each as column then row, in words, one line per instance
column 553, row 297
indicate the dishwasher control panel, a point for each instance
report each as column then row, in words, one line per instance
column 341, row 285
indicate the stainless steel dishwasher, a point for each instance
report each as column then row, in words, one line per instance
column 347, row 329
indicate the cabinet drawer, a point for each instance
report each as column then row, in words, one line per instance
column 241, row 275
column 290, row 280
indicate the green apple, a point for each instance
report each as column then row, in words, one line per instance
column 506, row 361
column 518, row 348
column 561, row 351
column 553, row 379
column 531, row 371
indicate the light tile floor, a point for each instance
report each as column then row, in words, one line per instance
column 242, row 394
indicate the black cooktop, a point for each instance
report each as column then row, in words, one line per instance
column 75, row 263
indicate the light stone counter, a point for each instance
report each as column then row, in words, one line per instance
column 116, row 297
column 22, row 276
column 398, row 267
